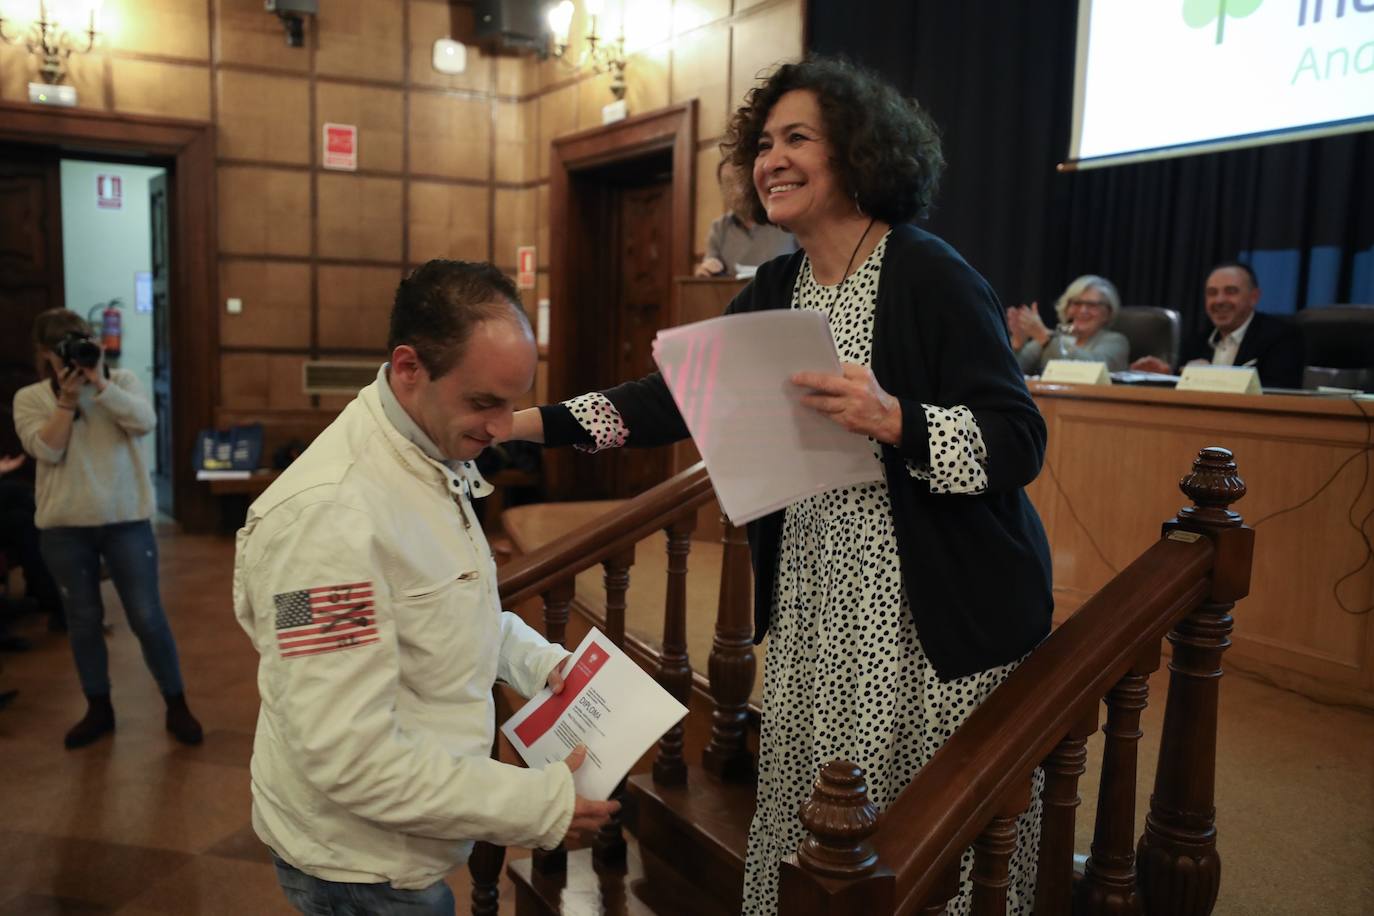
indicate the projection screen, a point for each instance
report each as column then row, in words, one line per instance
column 1158, row 78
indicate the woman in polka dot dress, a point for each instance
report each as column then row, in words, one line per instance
column 893, row 608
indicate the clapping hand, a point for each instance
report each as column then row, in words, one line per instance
column 11, row 463
column 1025, row 324
column 854, row 400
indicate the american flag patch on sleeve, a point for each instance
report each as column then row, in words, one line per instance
column 326, row 618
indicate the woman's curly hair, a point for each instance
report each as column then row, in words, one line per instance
column 886, row 147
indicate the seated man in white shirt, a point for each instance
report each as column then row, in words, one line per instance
column 1239, row 336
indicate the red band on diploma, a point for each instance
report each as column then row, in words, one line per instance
column 542, row 719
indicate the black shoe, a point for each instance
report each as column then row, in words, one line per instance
column 180, row 722
column 98, row 721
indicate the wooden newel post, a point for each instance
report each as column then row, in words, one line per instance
column 835, row 870
column 1177, row 862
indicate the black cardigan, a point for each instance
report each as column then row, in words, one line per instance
column 977, row 568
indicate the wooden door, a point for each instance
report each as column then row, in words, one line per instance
column 643, row 225
column 30, row 268
column 165, row 464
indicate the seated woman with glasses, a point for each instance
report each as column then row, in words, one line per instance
column 1085, row 309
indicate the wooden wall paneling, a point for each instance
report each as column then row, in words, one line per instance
column 359, row 217
column 263, row 117
column 447, row 221
column 264, row 211
column 274, row 294
column 378, row 114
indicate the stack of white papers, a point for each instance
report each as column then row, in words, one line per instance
column 608, row 703
column 730, row 377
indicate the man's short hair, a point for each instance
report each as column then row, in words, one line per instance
column 1236, row 265
column 439, row 305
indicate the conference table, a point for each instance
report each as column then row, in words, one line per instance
column 1116, row 454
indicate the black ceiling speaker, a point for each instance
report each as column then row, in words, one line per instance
column 511, row 25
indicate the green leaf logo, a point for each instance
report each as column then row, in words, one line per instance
column 1198, row 13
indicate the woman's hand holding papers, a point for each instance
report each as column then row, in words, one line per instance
column 854, row 400
column 588, row 816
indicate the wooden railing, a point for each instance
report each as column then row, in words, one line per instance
column 550, row 573
column 906, row 860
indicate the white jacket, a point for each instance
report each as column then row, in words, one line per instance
column 371, row 761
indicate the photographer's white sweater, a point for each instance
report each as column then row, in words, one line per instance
column 100, row 478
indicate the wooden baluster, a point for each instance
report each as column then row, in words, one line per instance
column 556, row 603
column 732, row 663
column 839, row 818
column 1109, row 884
column 485, row 865
column 992, row 853
column 616, row 578
column 675, row 671
column 1054, row 873
column 944, row 892
column 610, row 841
column 1180, row 870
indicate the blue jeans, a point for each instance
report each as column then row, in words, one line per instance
column 130, row 552
column 318, row 897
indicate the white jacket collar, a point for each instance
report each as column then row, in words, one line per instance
column 416, row 450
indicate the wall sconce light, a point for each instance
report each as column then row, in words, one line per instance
column 54, row 35
column 601, row 54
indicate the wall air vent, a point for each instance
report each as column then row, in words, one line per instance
column 325, row 376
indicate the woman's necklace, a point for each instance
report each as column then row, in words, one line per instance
column 844, row 278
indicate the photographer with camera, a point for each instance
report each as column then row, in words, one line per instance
column 94, row 496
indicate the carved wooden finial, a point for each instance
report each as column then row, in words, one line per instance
column 839, row 818
column 1212, row 486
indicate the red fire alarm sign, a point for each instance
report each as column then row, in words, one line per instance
column 340, row 147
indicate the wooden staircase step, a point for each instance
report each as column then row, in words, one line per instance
column 644, row 886
column 701, row 827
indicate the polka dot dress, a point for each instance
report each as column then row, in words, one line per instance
column 844, row 672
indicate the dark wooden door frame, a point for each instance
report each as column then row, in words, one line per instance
column 671, row 129
column 195, row 330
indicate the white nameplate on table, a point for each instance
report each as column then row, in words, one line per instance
column 1076, row 372
column 1228, row 379
column 731, row 379
column 608, row 703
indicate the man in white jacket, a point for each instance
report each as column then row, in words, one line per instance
column 369, row 590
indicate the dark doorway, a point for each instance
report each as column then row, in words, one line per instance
column 632, row 212
column 621, row 227
column 186, row 150
column 30, row 269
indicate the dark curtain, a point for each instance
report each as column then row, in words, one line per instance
column 997, row 76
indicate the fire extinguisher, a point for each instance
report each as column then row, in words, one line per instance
column 111, row 330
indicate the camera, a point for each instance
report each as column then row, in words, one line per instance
column 76, row 349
